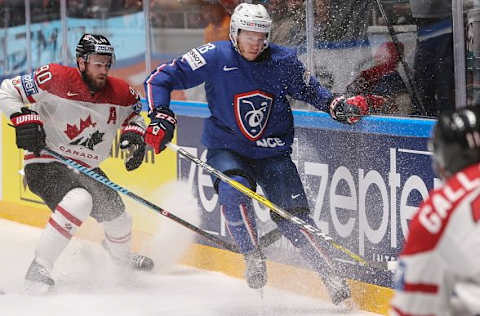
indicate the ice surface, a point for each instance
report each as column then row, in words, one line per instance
column 89, row 284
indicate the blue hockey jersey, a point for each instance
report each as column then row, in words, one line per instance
column 250, row 113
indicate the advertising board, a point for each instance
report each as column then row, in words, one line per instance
column 363, row 189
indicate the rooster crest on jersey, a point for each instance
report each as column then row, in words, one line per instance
column 252, row 110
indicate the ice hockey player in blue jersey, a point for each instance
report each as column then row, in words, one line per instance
column 250, row 130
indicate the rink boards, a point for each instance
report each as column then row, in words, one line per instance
column 363, row 183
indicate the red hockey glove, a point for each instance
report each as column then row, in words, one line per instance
column 28, row 130
column 379, row 104
column 131, row 139
column 348, row 110
column 161, row 128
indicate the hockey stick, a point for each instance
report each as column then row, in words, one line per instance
column 137, row 198
column 408, row 72
column 277, row 209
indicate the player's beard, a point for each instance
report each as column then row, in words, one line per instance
column 93, row 84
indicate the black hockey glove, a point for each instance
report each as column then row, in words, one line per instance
column 161, row 128
column 28, row 130
column 132, row 140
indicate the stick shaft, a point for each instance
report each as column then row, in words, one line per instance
column 138, row 198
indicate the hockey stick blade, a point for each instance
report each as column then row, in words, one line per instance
column 120, row 189
column 277, row 209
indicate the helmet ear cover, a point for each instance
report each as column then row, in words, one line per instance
column 250, row 17
column 455, row 142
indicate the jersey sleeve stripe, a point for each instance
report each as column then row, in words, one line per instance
column 151, row 104
column 30, row 99
column 421, row 287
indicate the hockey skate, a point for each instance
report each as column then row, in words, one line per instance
column 134, row 261
column 37, row 279
column 256, row 269
column 339, row 291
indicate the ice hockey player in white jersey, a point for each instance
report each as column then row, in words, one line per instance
column 77, row 113
column 442, row 250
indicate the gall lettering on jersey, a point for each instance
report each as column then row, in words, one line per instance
column 432, row 216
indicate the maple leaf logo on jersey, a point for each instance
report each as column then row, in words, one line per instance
column 73, row 131
column 93, row 139
column 252, row 110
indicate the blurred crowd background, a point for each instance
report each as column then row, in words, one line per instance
column 354, row 50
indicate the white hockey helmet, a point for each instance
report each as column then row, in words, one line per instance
column 250, row 17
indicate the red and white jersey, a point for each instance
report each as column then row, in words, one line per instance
column 78, row 124
column 442, row 248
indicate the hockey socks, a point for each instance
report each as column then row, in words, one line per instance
column 68, row 216
column 118, row 236
column 238, row 212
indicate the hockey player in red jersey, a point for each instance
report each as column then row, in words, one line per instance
column 76, row 112
column 443, row 245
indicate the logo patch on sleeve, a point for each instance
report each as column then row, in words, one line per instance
column 29, row 85
column 194, row 59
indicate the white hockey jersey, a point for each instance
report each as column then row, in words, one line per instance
column 78, row 124
column 442, row 248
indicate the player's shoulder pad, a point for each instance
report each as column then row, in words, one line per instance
column 121, row 93
column 53, row 74
column 53, row 77
column 42, row 78
column 199, row 57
